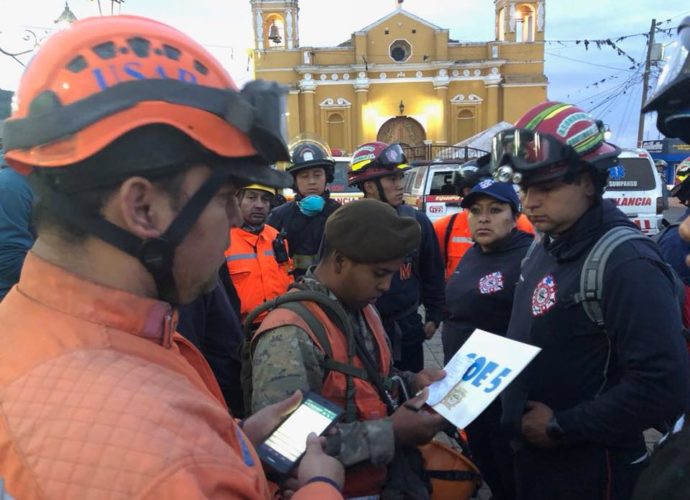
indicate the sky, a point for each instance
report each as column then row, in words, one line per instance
column 601, row 81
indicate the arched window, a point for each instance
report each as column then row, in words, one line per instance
column 501, row 28
column 274, row 31
column 336, row 131
column 465, row 124
column 525, row 23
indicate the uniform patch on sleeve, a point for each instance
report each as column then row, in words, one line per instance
column 544, row 296
column 491, row 283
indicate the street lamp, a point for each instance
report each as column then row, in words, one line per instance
column 401, row 107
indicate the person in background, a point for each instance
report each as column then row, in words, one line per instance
column 257, row 259
column 479, row 295
column 302, row 220
column 453, row 231
column 377, row 170
column 16, row 232
column 135, row 178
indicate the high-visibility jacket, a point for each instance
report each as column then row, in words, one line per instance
column 362, row 479
column 253, row 268
column 102, row 399
column 455, row 243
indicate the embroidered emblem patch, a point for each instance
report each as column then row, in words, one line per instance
column 491, row 283
column 544, row 296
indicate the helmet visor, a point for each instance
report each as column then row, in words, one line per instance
column 392, row 158
column 526, row 150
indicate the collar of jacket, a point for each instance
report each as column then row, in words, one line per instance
column 72, row 295
column 252, row 229
column 598, row 219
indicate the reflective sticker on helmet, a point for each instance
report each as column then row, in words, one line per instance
column 570, row 121
column 545, row 114
column 587, row 139
column 307, row 155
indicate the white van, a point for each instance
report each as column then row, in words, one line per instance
column 429, row 188
column 636, row 187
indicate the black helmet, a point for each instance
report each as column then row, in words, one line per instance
column 671, row 99
column 310, row 152
column 471, row 172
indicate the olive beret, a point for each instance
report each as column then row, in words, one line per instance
column 369, row 231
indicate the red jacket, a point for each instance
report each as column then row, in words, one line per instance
column 102, row 399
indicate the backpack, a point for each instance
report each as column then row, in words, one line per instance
column 337, row 314
column 592, row 273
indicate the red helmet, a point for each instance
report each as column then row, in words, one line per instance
column 106, row 76
column 376, row 159
column 552, row 141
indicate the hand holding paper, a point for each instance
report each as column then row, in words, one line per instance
column 484, row 366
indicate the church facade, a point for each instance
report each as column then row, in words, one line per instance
column 401, row 78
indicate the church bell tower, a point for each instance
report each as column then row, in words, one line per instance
column 275, row 24
column 520, row 20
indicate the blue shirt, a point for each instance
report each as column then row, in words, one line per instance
column 16, row 234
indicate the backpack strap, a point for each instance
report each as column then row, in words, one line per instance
column 592, row 274
column 530, row 251
column 446, row 237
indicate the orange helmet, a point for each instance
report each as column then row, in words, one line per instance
column 103, row 77
column 453, row 476
column 117, row 96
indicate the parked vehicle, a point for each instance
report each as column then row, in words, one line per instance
column 637, row 189
column 429, row 187
column 339, row 189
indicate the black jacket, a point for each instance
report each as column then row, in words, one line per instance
column 597, row 400
column 425, row 284
column 479, row 294
column 304, row 233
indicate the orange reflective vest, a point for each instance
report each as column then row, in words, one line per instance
column 456, row 240
column 364, row 479
column 254, row 271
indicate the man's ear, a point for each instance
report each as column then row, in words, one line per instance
column 370, row 191
column 338, row 261
column 141, row 208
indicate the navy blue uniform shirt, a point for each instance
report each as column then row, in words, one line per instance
column 605, row 388
column 479, row 294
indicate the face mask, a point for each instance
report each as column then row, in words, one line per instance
column 311, row 205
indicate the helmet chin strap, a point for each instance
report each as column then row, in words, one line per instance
column 155, row 254
column 379, row 188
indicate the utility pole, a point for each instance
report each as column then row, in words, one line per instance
column 645, row 81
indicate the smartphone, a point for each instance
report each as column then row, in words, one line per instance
column 285, row 446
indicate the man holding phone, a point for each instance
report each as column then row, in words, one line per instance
column 364, row 246
column 136, row 176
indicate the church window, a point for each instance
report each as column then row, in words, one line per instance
column 400, row 51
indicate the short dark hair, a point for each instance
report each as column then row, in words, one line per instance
column 45, row 217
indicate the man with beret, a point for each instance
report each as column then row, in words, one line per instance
column 364, row 246
column 377, row 170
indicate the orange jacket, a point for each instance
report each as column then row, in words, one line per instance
column 253, row 268
column 460, row 239
column 364, row 479
column 102, row 399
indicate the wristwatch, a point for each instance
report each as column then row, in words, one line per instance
column 554, row 430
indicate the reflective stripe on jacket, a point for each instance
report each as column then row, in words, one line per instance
column 362, row 479
column 253, row 268
column 460, row 238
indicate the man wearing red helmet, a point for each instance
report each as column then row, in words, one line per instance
column 578, row 412
column 138, row 140
column 377, row 170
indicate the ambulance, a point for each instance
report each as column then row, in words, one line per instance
column 636, row 187
column 429, row 188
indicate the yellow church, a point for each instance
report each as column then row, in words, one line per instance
column 402, row 78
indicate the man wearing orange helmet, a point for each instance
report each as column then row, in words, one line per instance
column 138, row 140
column 613, row 362
column 377, row 170
column 257, row 258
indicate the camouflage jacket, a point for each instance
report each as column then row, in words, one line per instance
column 285, row 359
